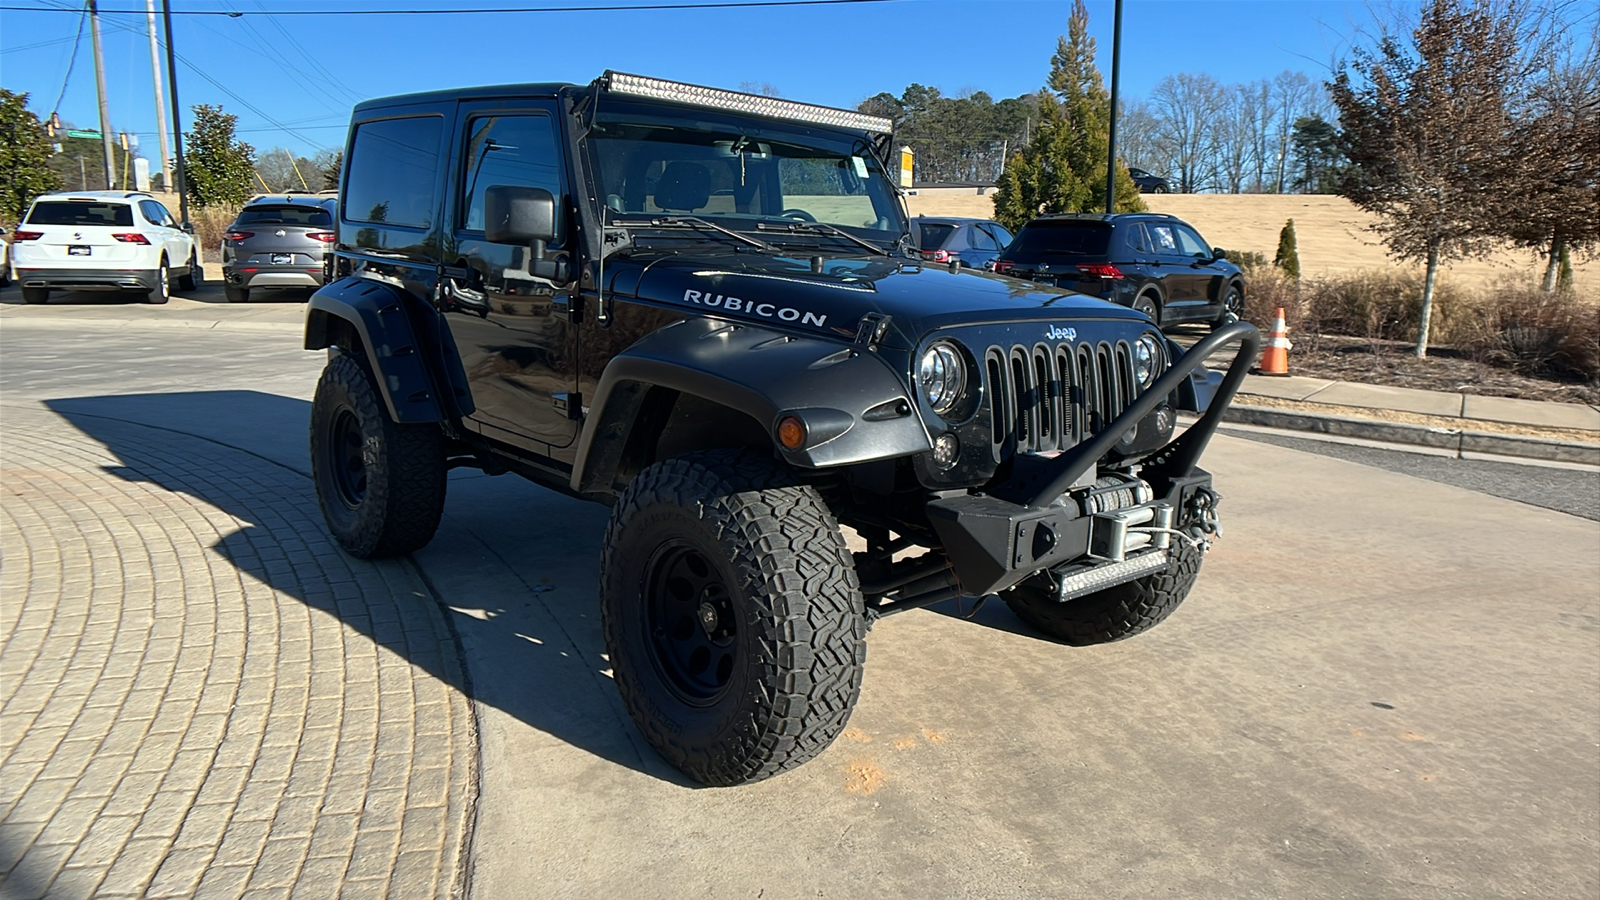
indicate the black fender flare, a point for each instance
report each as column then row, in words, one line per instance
column 855, row 407
column 397, row 340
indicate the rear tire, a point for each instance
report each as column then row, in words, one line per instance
column 1116, row 612
column 380, row 484
column 236, row 294
column 732, row 616
column 1159, row 189
column 1146, row 304
column 163, row 291
column 191, row 280
column 35, row 295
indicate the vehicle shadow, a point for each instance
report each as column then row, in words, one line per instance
column 513, row 569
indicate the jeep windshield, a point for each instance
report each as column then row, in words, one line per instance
column 742, row 173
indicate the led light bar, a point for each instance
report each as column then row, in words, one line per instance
column 1110, row 575
column 716, row 98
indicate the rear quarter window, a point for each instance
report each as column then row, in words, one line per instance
column 70, row 212
column 393, row 171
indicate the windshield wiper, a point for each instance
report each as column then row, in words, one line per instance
column 824, row 227
column 694, row 222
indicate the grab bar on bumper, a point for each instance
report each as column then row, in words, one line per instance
column 1178, row 458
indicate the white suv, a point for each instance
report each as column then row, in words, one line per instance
column 102, row 241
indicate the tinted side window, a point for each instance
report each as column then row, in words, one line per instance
column 980, row 239
column 1163, row 239
column 162, row 216
column 1000, row 234
column 511, row 150
column 394, row 172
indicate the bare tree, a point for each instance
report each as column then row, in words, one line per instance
column 1425, row 122
column 1139, row 139
column 1186, row 108
column 1292, row 91
column 1557, row 136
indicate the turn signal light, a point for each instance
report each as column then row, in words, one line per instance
column 1003, row 265
column 791, row 433
column 1104, row 270
column 326, row 237
column 238, row 235
column 936, row 255
column 132, row 237
column 27, row 236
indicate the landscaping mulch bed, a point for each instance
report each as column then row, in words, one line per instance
column 1392, row 363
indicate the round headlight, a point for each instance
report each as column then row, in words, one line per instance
column 1146, row 360
column 942, row 377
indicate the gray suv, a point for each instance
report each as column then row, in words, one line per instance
column 279, row 241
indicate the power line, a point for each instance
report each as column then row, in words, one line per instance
column 618, row 7
column 82, row 15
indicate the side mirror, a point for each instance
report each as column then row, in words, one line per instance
column 1218, row 253
column 525, row 216
column 187, row 228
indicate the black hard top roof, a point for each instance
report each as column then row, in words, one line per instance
column 485, row 92
column 1103, row 217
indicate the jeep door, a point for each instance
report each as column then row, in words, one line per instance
column 516, row 344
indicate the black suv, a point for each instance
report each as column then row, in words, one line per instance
column 702, row 309
column 1155, row 263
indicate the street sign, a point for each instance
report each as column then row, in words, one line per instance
column 83, row 134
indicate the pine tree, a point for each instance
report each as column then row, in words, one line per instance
column 24, row 157
column 1063, row 167
column 1288, row 256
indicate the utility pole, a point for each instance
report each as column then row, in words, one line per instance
column 161, row 105
column 1111, row 151
column 100, row 87
column 177, row 124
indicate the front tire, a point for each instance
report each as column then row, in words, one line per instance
column 163, row 291
column 380, row 484
column 1232, row 307
column 35, row 295
column 1115, row 613
column 732, row 616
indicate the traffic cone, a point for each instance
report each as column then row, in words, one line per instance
column 1275, row 358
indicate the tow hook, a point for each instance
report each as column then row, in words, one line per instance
column 1203, row 517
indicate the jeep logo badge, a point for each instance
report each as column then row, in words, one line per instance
column 1062, row 334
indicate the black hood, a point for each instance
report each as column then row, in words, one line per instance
column 786, row 291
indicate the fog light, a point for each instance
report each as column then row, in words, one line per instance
column 946, row 450
column 791, row 433
column 1132, row 434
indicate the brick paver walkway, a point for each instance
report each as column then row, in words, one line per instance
column 200, row 695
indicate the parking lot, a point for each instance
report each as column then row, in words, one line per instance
column 1382, row 686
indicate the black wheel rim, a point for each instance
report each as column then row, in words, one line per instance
column 346, row 459
column 1235, row 303
column 693, row 626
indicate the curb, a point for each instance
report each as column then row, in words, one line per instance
column 1457, row 440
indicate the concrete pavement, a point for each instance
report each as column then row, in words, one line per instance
column 1381, row 687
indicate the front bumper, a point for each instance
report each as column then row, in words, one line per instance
column 88, row 279
column 996, row 539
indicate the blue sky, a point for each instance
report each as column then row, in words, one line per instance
column 834, row 55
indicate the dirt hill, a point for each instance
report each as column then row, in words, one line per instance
column 1332, row 233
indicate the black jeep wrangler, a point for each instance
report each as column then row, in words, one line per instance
column 703, row 308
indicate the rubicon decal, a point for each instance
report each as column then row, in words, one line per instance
column 755, row 308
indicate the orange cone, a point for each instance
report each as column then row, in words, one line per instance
column 1275, row 358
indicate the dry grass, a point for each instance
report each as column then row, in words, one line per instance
column 209, row 225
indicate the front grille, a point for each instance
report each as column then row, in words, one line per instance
column 1045, row 398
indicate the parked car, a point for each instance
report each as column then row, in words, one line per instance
column 279, row 241
column 1148, row 183
column 971, row 242
column 1155, row 263
column 103, row 241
